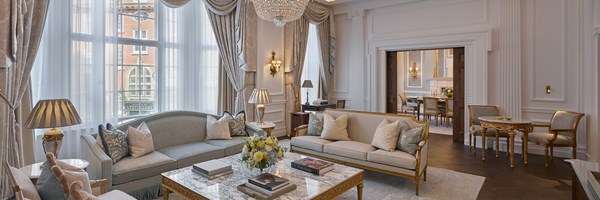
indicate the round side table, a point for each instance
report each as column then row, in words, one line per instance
column 33, row 171
column 266, row 126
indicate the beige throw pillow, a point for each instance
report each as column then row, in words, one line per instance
column 218, row 129
column 140, row 140
column 27, row 187
column 335, row 129
column 386, row 135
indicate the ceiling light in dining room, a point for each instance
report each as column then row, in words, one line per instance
column 280, row 11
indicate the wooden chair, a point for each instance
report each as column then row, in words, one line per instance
column 562, row 132
column 476, row 111
column 341, row 104
column 406, row 105
column 430, row 108
column 449, row 110
column 13, row 182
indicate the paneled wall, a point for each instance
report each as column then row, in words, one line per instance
column 530, row 44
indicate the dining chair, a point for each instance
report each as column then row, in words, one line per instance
column 562, row 132
column 341, row 104
column 476, row 111
column 449, row 110
column 406, row 105
column 430, row 108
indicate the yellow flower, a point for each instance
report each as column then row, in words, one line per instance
column 258, row 156
column 246, row 149
column 268, row 147
column 269, row 141
column 280, row 153
column 260, row 144
column 252, row 145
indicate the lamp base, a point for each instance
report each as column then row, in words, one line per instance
column 260, row 112
column 52, row 141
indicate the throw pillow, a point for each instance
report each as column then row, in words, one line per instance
column 140, row 140
column 27, row 187
column 335, row 129
column 217, row 129
column 78, row 192
column 67, row 177
column 237, row 124
column 409, row 140
column 47, row 185
column 315, row 124
column 114, row 142
column 386, row 135
column 403, row 127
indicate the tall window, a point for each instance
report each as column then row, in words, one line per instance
column 137, row 45
column 312, row 63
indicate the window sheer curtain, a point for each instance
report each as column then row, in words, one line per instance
column 190, row 59
column 312, row 64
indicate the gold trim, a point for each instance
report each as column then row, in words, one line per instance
column 172, row 186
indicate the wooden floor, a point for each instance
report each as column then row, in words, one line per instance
column 533, row 181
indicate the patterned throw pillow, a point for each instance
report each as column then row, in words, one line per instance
column 237, row 124
column 114, row 142
column 409, row 140
column 315, row 124
column 403, row 127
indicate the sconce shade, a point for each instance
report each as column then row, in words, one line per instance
column 260, row 96
column 52, row 113
column 307, row 84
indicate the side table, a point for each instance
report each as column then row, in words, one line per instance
column 266, row 126
column 34, row 170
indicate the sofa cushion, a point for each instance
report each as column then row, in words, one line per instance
column 335, row 129
column 152, row 164
column 230, row 147
column 393, row 158
column 192, row 153
column 386, row 135
column 310, row 142
column 351, row 149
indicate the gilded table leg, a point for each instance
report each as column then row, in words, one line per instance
column 525, row 146
column 165, row 193
column 497, row 143
column 359, row 189
column 483, row 131
column 511, row 134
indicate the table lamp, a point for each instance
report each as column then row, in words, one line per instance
column 307, row 84
column 260, row 97
column 52, row 113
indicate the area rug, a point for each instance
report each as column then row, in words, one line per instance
column 440, row 184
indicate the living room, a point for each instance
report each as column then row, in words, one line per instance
column 179, row 66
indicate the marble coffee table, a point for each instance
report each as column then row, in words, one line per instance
column 192, row 186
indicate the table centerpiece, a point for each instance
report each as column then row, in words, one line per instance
column 262, row 152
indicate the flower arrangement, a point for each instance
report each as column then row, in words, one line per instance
column 262, row 152
column 449, row 92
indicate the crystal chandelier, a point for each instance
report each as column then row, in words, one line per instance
column 280, row 11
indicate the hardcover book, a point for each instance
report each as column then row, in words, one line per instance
column 212, row 167
column 269, row 181
column 212, row 176
column 314, row 166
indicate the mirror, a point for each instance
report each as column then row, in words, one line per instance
column 444, row 63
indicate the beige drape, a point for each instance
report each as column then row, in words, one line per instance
column 21, row 26
column 295, row 38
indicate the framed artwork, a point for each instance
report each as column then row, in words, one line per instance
column 414, row 59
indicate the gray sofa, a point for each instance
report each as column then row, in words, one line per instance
column 359, row 153
column 178, row 142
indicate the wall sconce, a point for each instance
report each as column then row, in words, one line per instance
column 413, row 70
column 275, row 65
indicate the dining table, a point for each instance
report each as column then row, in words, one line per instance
column 419, row 101
column 503, row 123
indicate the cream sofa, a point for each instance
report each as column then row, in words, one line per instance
column 359, row 153
column 178, row 138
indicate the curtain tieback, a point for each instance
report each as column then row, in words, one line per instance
column 10, row 105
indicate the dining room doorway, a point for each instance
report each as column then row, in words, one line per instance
column 428, row 83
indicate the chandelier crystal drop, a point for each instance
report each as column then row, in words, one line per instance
column 280, row 11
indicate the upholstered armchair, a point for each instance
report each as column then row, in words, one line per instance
column 406, row 105
column 476, row 111
column 449, row 111
column 562, row 132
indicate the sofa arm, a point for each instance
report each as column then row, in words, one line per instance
column 254, row 130
column 100, row 166
column 422, row 155
column 301, row 130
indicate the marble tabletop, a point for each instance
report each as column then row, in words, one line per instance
column 224, row 187
column 501, row 119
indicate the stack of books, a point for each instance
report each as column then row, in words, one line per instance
column 314, row 166
column 270, row 185
column 212, row 169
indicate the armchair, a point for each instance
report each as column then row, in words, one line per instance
column 562, row 132
column 476, row 111
column 407, row 105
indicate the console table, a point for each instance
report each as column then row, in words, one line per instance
column 321, row 107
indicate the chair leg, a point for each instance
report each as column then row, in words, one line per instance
column 497, row 144
column 546, row 155
column 574, row 152
column 551, row 152
column 417, row 186
column 425, row 174
column 470, row 141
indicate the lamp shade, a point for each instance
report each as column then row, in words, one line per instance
column 307, row 84
column 260, row 96
column 52, row 113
